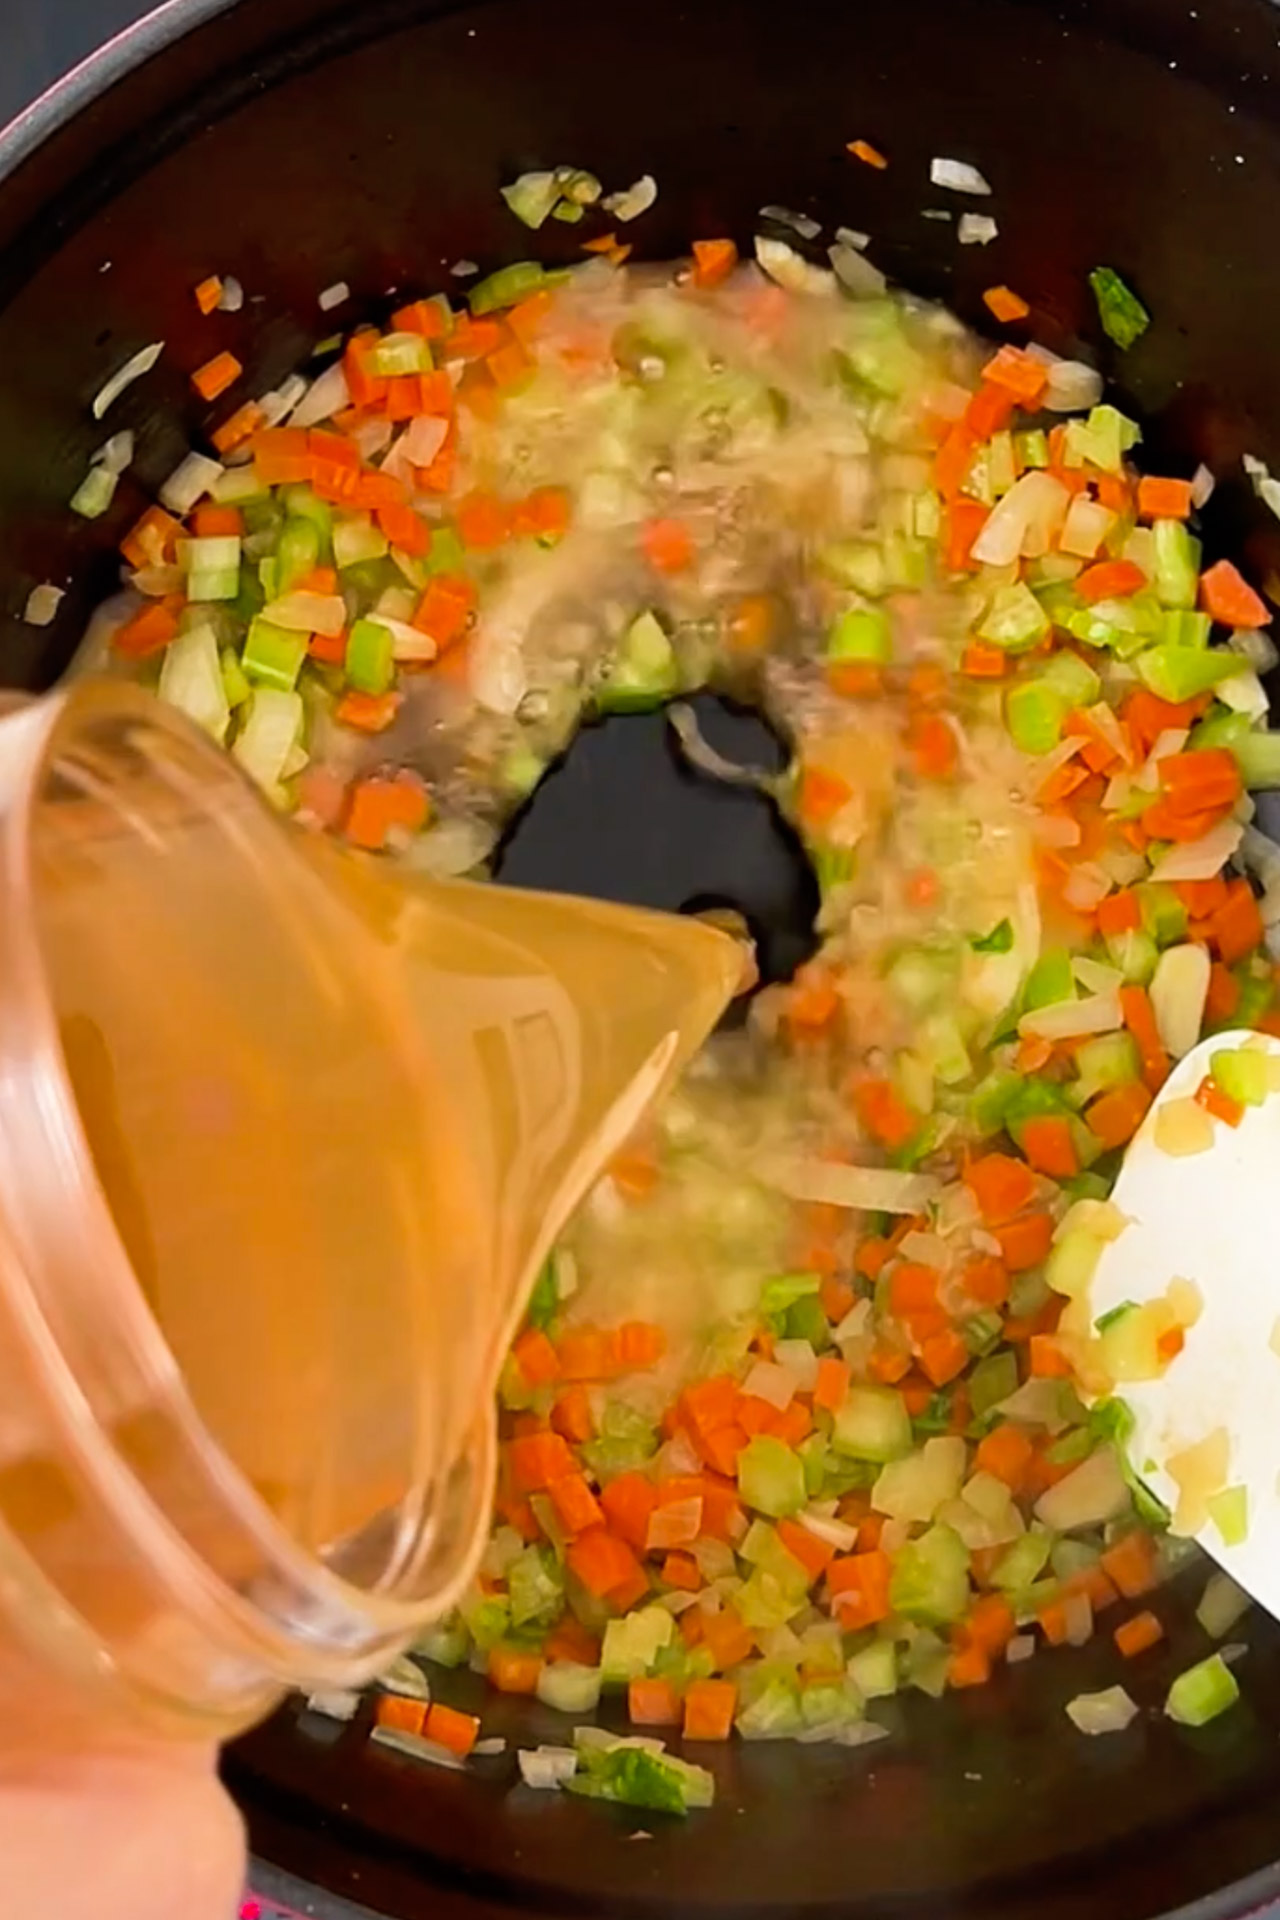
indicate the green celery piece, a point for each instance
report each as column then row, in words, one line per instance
column 544, row 1301
column 1027, row 1294
column 992, row 1381
column 982, row 1332
column 1101, row 440
column 634, row 1777
column 1177, row 566
column 773, row 1713
column 487, row 1619
column 301, row 504
column 999, row 940
column 522, row 769
column 222, row 583
column 1256, row 996
column 645, row 672
column 813, row 1456
column 1163, row 914
column 771, row 1477
column 1050, row 980
column 1073, row 678
column 1180, row 673
column 632, row 1644
column 370, row 660
column 1243, row 1074
column 906, row 562
column 1258, row 755
column 535, row 1588
column 872, row 1424
column 1035, row 1098
column 1032, row 448
column 1202, row 1692
column 273, row 656
column 505, row 287
column 1220, row 728
column 1022, row 1563
column 832, row 867
column 1110, row 1060
column 862, row 633
column 297, row 553
column 1014, row 620
column 1123, row 316
column 1034, row 713
column 784, row 1289
column 1229, row 1512
column 830, row 1703
column 568, row 211
column 992, row 1099
column 447, row 554
column 854, row 564
column 445, row 1643
column 1135, row 953
column 807, row 1321
column 1183, row 627
column 1070, row 1448
column 235, row 683
column 930, row 1581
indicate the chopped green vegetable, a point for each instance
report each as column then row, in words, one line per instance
column 1123, row 316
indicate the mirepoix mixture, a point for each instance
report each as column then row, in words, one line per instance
column 810, row 1406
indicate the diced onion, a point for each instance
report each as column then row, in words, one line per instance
column 1037, row 503
column 1078, row 1619
column 807, row 228
column 281, row 401
column 768, row 1382
column 637, row 199
column 854, row 271
column 958, row 175
column 42, row 604
column 976, row 230
column 116, row 454
column 1202, row 485
column 423, row 438
column 328, row 394
column 334, row 1703
column 231, row 299
column 546, row 1768
column 1200, row 859
column 1179, row 988
column 1108, row 1712
column 836, row 1533
column 190, row 480
column 1094, row 1013
column 1258, row 648
column 133, row 369
column 334, row 296
column 1021, row 1647
column 417, row 1749
column 490, row 1748
column 800, row 1360
column 872, row 1189
column 410, row 644
column 850, row 237
column 791, row 270
column 1073, row 387
column 303, row 612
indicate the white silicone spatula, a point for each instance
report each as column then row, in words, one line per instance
column 1212, row 1218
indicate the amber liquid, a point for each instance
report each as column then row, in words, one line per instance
column 338, row 1118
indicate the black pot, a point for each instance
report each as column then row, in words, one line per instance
column 295, row 143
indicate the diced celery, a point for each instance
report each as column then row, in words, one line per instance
column 1243, row 1074
column 992, row 1381
column 992, row 1099
column 274, row 655
column 930, row 1581
column 1036, row 1098
column 1259, row 757
column 813, row 1455
column 767, row 1601
column 370, row 659
column 298, row 551
column 945, row 1049
column 1072, row 677
column 445, row 1643
column 1032, row 448
column 1135, row 953
column 1022, row 1563
column 398, row 354
column 566, row 1687
column 906, row 562
column 806, row 1320
column 645, row 671
column 221, row 583
column 269, row 735
column 832, row 867
column 771, row 1476
column 505, row 287
column 784, row 1289
column 1050, row 980
column 1221, row 1604
column 1163, row 915
column 1229, row 1512
column 1180, row 673
column 357, row 541
column 234, row 683
column 1202, row 1692
column 635, row 1776
column 874, row 1669
column 830, row 1703
column 1102, row 440
column 1182, row 627
column 535, row 1588
column 632, row 1644
column 855, row 564
column 487, row 1618
column 1014, row 620
column 861, row 633
column 447, row 555
column 872, row 1424
column 1219, row 728
column 1177, row 564
column 1107, row 1061
column 1034, row 712
column 774, row 1713
column 915, row 1487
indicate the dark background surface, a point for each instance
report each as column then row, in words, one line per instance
column 43, row 38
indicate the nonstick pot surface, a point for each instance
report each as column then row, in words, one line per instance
column 295, row 145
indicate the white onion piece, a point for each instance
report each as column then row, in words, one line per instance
column 334, row 296
column 133, row 369
column 281, row 401
column 1200, row 859
column 328, row 394
column 1078, row 1619
column 1243, row 693
column 1021, row 1647
column 1073, row 387
column 768, row 1382
column 1179, row 988
column 546, row 1768
column 42, row 604
column 958, row 175
column 1202, row 485
column 1036, row 501
column 116, row 454
column 1108, row 1712
column 334, row 1703
column 410, row 644
column 190, row 480
column 303, row 612
column 791, row 270
column 800, row 1360
column 807, row 228
column 1094, row 976
column 855, row 272
column 871, row 1189
column 850, row 237
column 231, row 299
column 1258, row 648
column 423, row 438
column 1096, row 1013
column 452, row 848
column 976, row 230
column 417, row 1749
column 637, row 199
column 836, row 1533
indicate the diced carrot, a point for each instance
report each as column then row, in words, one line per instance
column 152, row 540
column 912, row 1287
column 1001, row 1186
column 208, row 293
column 666, row 545
column 638, row 1344
column 1019, row 373
column 709, row 1404
column 713, row 262
column 989, row 1624
column 722, row 1515
column 727, row 1638
column 509, row 365
column 405, row 528
column 1223, row 996
column 1211, row 1097
column 398, row 1710
column 445, row 609
column 423, row 317
column 1119, row 913
column 605, row 1564
column 1227, row 597
column 628, row 1503
column 514, row 1669
column 814, row 1555
column 458, row 1732
column 536, row 1357
column 884, row 1114
column 1109, row 580
column 381, row 807
column 216, row 375
column 916, row 1393
column 985, row 1281
column 570, row 1640
column 952, row 461
column 150, row 629
column 832, row 1384
column 368, row 712
column 1132, row 1563
column 1095, row 1584
column 1113, row 491
column 537, row 1459
column 1025, row 1243
column 1116, row 1115
column 1197, row 781
column 210, row 521
column 652, row 1703
column 1140, row 1019
column 1054, row 1622
column 572, row 1416
column 943, row 1356
column 681, row 1570
column 1236, row 928
column 813, row 1001
column 791, row 1424
column 1047, row 1360
column 483, row 522
column 871, row 1257
column 282, row 456
column 1006, row 1452
column 237, row 428
column 575, row 1503
column 1050, row 1147
column 982, row 662
column 934, row 748
column 541, row 515
column 474, row 339
column 1005, row 304
column 858, row 1587
column 1163, row 499
column 1148, row 716
column 870, row 156
column 836, row 1298
column 751, row 624
column 888, row 1365
column 709, row 1708
column 1136, row 1635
